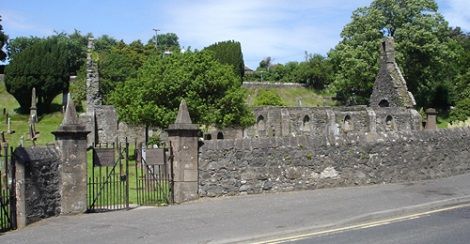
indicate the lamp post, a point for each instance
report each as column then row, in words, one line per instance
column 156, row 38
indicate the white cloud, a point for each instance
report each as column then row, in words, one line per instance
column 458, row 13
column 277, row 28
column 16, row 22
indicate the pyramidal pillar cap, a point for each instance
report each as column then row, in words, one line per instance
column 183, row 120
column 70, row 123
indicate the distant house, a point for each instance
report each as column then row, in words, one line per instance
column 248, row 71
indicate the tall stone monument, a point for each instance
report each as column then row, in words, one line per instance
column 93, row 95
column 390, row 88
column 183, row 135
column 33, row 111
column 71, row 138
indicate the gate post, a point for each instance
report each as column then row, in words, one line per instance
column 71, row 138
column 183, row 135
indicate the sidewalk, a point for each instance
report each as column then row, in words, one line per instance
column 247, row 218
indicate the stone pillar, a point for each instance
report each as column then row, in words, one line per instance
column 33, row 111
column 93, row 96
column 431, row 119
column 71, row 138
column 183, row 135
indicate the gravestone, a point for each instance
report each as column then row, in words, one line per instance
column 33, row 113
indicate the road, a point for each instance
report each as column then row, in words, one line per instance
column 251, row 218
column 450, row 226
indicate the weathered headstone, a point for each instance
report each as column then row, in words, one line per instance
column 33, row 113
column 9, row 130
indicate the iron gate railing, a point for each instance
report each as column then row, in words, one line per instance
column 114, row 185
column 108, row 181
column 7, row 189
column 154, row 175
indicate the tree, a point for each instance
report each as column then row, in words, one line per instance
column 424, row 50
column 17, row 45
column 117, row 65
column 211, row 90
column 229, row 52
column 316, row 72
column 45, row 66
column 3, row 41
column 165, row 42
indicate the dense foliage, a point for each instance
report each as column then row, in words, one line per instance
column 211, row 90
column 45, row 66
column 316, row 71
column 268, row 98
column 424, row 48
column 229, row 52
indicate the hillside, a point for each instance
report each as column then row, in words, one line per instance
column 19, row 122
column 292, row 95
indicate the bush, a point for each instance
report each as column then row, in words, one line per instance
column 268, row 98
column 461, row 111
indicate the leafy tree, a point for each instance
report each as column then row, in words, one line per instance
column 117, row 65
column 45, row 66
column 165, row 42
column 229, row 52
column 17, row 45
column 317, row 72
column 268, row 98
column 104, row 42
column 424, row 50
column 211, row 90
column 3, row 41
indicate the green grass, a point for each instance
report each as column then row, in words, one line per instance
column 19, row 122
column 291, row 96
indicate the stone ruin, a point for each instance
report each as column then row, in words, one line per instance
column 391, row 109
column 102, row 120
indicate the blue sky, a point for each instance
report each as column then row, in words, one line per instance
column 282, row 29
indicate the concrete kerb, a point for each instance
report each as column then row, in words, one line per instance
column 363, row 219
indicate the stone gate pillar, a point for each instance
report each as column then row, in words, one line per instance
column 183, row 135
column 431, row 123
column 71, row 138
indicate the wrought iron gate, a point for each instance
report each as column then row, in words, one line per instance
column 154, row 184
column 113, row 184
column 108, row 181
column 7, row 189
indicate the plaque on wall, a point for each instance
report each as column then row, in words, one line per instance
column 103, row 157
column 155, row 156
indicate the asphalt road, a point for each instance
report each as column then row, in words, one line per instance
column 451, row 226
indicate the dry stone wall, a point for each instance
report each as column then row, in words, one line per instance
column 256, row 165
column 41, row 182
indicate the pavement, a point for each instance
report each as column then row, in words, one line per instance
column 251, row 218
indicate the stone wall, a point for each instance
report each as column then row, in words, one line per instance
column 334, row 121
column 38, row 182
column 267, row 84
column 256, row 165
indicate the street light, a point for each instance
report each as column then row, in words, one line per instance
column 156, row 38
